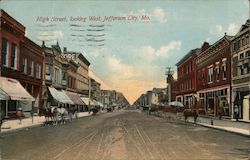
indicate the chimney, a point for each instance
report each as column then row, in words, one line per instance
column 64, row 49
column 43, row 44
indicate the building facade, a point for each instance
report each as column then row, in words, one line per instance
column 186, row 77
column 82, row 81
column 240, row 48
column 214, row 79
column 95, row 90
column 21, row 59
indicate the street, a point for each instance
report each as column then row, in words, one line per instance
column 126, row 134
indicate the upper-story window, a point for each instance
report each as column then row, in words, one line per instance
column 210, row 74
column 224, row 69
column 25, row 63
column 5, row 50
column 247, row 40
column 38, row 71
column 14, row 56
column 247, row 54
column 243, row 42
column 241, row 56
column 217, row 72
column 32, row 69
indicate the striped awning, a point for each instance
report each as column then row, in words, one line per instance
column 60, row 96
column 75, row 98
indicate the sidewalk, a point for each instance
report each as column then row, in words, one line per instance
column 11, row 125
column 242, row 128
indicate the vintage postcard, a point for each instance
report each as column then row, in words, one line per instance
column 124, row 79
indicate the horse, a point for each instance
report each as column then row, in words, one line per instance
column 94, row 110
column 50, row 114
column 188, row 113
column 62, row 113
column 72, row 111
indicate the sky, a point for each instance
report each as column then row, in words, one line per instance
column 129, row 43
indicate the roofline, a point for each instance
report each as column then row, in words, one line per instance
column 190, row 53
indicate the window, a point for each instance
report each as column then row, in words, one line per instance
column 57, row 75
column 210, row 74
column 38, row 71
column 5, row 50
column 247, row 40
column 224, row 71
column 14, row 56
column 32, row 69
column 247, row 54
column 47, row 70
column 234, row 46
column 217, row 73
column 241, row 55
column 243, row 42
column 25, row 65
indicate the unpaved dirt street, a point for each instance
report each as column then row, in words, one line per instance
column 128, row 135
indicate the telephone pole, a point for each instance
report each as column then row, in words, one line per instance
column 169, row 73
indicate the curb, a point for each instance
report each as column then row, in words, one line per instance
column 221, row 129
column 29, row 127
column 212, row 127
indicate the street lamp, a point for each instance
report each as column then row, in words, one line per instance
column 169, row 73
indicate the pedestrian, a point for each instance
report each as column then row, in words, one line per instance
column 236, row 113
column 20, row 114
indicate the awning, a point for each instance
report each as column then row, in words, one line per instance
column 60, row 96
column 11, row 89
column 87, row 101
column 100, row 104
column 95, row 103
column 74, row 97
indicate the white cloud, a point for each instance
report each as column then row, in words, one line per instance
column 118, row 68
column 163, row 51
column 231, row 29
column 160, row 15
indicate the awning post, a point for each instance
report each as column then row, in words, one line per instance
column 6, row 108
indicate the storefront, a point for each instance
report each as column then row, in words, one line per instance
column 59, row 97
column 76, row 99
column 13, row 96
column 240, row 99
column 215, row 101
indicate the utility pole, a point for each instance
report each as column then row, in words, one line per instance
column 169, row 73
column 89, row 93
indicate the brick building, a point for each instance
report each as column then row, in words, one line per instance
column 186, row 77
column 213, row 78
column 21, row 59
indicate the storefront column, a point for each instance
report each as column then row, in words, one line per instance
column 6, row 108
